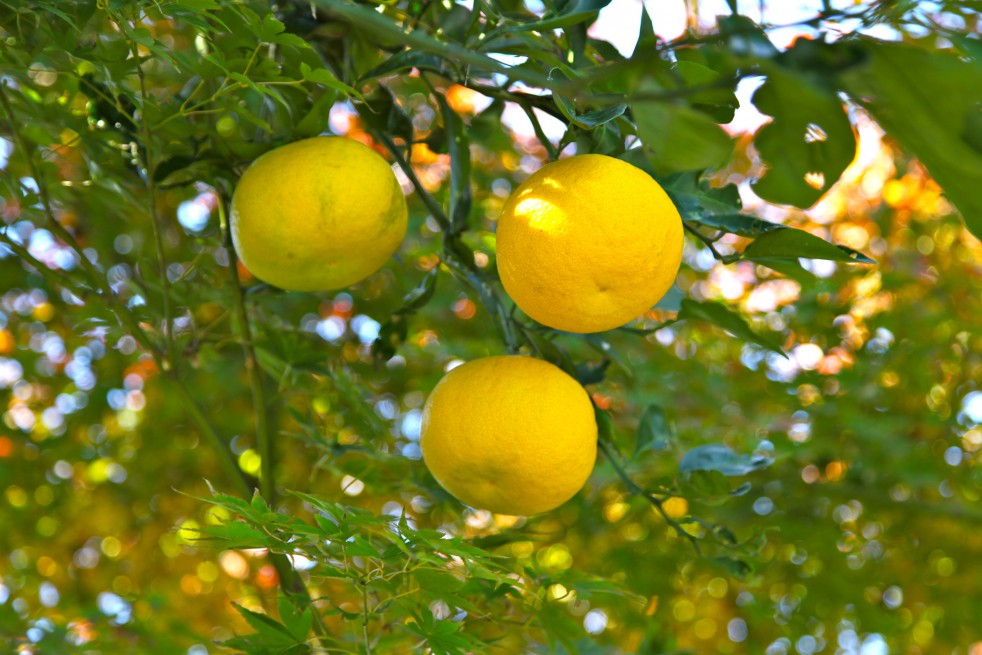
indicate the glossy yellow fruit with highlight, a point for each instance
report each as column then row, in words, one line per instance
column 317, row 214
column 512, row 434
column 588, row 243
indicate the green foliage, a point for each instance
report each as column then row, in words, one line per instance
column 159, row 402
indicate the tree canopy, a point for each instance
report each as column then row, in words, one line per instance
column 192, row 460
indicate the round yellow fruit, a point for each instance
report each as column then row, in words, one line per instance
column 317, row 214
column 511, row 434
column 588, row 243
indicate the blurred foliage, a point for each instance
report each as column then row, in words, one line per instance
column 790, row 437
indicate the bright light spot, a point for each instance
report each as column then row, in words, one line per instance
column 411, row 424
column 112, row 605
column 516, row 120
column 736, row 629
column 874, row 645
column 971, row 403
column 452, row 364
column 366, row 328
column 339, row 119
column 301, row 563
column 351, row 485
column 595, row 622
column 193, row 215
column 808, row 356
column 763, row 506
column 331, row 328
column 893, row 597
column 48, row 594
column 234, row 564
column 953, row 456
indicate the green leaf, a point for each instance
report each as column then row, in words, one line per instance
column 706, row 485
column 197, row 6
column 589, row 120
column 405, row 60
column 789, row 243
column 234, row 534
column 272, row 631
column 736, row 567
column 930, row 102
column 572, row 13
column 680, row 138
column 598, row 117
column 719, row 315
column 741, row 224
column 326, row 78
column 720, row 458
column 809, row 143
column 421, row 294
column 298, row 623
column 439, row 582
column 718, row 100
column 591, row 372
column 654, row 432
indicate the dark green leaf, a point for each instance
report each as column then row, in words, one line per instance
column 421, row 294
column 274, row 632
column 807, row 145
column 436, row 581
column 742, row 224
column 736, row 567
column 572, row 12
column 930, row 103
column 405, row 60
column 719, row 315
column 706, row 485
column 680, row 138
column 790, row 243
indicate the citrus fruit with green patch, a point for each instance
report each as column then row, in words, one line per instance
column 317, row 214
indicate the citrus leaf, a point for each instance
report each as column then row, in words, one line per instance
column 789, row 243
column 717, row 457
column 572, row 13
column 719, row 315
column 654, row 432
column 741, row 224
column 900, row 85
column 680, row 138
column 809, row 143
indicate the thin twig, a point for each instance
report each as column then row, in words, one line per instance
column 431, row 204
column 259, row 400
column 709, row 243
column 657, row 502
column 158, row 237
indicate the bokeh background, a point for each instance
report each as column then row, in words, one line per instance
column 862, row 529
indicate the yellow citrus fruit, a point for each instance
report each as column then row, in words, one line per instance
column 511, row 434
column 317, row 214
column 588, row 243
